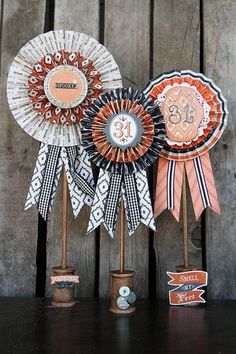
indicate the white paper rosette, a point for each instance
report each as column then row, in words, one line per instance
column 50, row 48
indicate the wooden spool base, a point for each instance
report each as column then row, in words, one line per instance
column 63, row 297
column 182, row 268
column 117, row 280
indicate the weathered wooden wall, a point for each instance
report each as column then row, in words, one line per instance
column 146, row 37
column 219, row 62
column 21, row 20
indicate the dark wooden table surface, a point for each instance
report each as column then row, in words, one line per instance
column 34, row 326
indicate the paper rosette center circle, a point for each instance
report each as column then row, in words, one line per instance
column 182, row 113
column 65, row 86
column 123, row 130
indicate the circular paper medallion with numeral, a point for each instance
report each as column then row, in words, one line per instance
column 194, row 111
column 53, row 78
column 123, row 131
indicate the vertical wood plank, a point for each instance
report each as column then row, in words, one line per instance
column 80, row 16
column 21, row 21
column 219, row 64
column 127, row 38
column 176, row 45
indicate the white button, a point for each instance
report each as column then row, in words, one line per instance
column 124, row 291
column 131, row 298
column 122, row 303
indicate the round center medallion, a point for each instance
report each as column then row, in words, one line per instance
column 123, row 130
column 183, row 113
column 65, row 86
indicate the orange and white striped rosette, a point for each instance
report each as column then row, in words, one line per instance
column 195, row 115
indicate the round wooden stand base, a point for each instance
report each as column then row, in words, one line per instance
column 63, row 297
column 117, row 280
column 182, row 268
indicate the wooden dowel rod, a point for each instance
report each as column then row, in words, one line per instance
column 122, row 237
column 64, row 219
column 185, row 223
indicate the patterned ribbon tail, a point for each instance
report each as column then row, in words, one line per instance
column 79, row 176
column 109, row 191
column 45, row 179
column 202, row 184
column 169, row 187
column 47, row 173
column 178, row 171
column 137, row 200
column 106, row 202
column 99, row 201
column 161, row 187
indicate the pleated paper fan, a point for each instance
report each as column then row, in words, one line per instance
column 53, row 78
column 123, row 131
column 195, row 113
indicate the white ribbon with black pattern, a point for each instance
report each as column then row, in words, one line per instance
column 47, row 173
column 110, row 189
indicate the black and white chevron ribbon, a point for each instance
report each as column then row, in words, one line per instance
column 110, row 189
column 47, row 173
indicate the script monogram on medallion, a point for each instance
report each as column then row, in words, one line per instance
column 183, row 114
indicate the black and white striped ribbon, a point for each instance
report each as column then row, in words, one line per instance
column 201, row 182
column 170, row 184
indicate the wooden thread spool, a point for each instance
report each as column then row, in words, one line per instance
column 64, row 297
column 117, row 281
column 121, row 277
